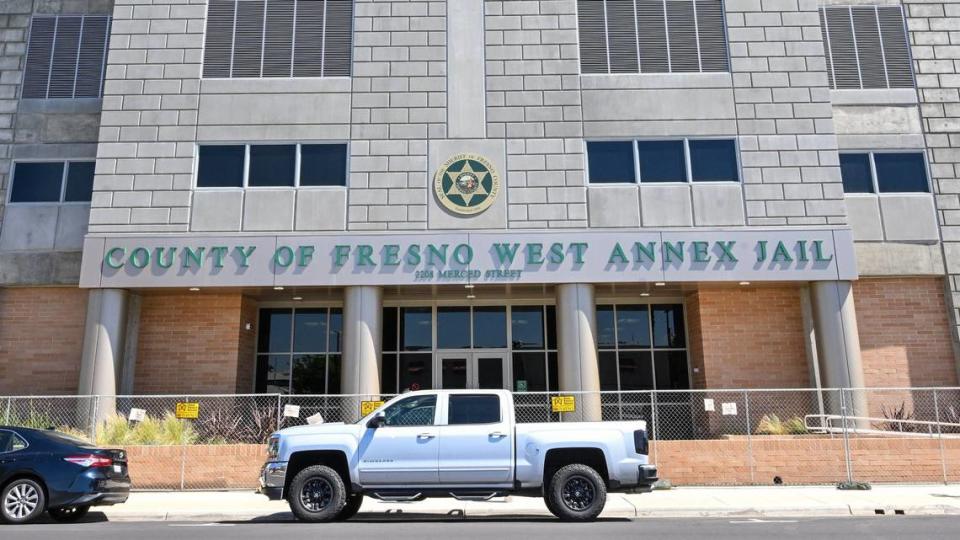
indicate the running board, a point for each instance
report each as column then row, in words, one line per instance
column 398, row 497
column 474, row 496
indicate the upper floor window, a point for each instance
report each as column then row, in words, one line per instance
column 652, row 36
column 52, row 182
column 272, row 165
column 66, row 56
column 278, row 38
column 884, row 172
column 683, row 160
column 866, row 47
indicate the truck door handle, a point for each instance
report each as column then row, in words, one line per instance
column 498, row 435
column 426, row 436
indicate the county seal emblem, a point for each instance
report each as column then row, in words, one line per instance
column 466, row 184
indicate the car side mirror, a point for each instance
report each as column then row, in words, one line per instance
column 377, row 421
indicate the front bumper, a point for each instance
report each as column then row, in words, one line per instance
column 273, row 476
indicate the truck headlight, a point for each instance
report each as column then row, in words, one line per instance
column 273, row 446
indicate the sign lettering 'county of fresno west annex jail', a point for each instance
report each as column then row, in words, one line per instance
column 410, row 259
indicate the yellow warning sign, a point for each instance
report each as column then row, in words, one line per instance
column 188, row 410
column 563, row 403
column 367, row 407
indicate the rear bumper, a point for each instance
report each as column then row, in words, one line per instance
column 98, row 492
column 647, row 475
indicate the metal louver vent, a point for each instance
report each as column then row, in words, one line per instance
column 652, row 36
column 866, row 47
column 279, row 38
column 65, row 57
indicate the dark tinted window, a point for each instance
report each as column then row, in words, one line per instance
column 323, row 165
column 273, row 374
column 309, row 374
column 336, row 329
column 611, row 162
column 416, row 371
column 668, row 327
column 310, row 330
column 636, row 370
column 79, row 181
column 272, row 165
column 416, row 329
column 901, row 173
column 389, row 329
column 490, row 327
column 662, row 161
column 671, row 368
column 11, row 442
column 606, row 336
column 388, row 373
column 412, row 411
column 855, row 171
column 274, row 332
column 608, row 370
column 473, row 410
column 220, row 166
column 713, row 160
column 529, row 372
column 453, row 328
column 633, row 328
column 37, row 182
column 527, row 324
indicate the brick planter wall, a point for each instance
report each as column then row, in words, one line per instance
column 797, row 460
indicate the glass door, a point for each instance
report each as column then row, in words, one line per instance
column 467, row 370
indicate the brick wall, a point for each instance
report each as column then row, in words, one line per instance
column 747, row 338
column 194, row 343
column 905, row 332
column 41, row 338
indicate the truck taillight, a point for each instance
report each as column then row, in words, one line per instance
column 89, row 460
column 640, row 442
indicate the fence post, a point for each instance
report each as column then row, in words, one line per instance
column 183, row 457
column 936, row 412
column 655, row 419
column 846, row 437
column 746, row 406
column 279, row 411
column 6, row 417
column 95, row 411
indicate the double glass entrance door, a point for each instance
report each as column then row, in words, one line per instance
column 469, row 370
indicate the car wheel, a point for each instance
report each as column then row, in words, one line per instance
column 317, row 494
column 351, row 508
column 68, row 514
column 22, row 501
column 576, row 493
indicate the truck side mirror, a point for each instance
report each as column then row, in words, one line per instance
column 377, row 421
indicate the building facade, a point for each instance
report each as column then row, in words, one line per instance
column 371, row 196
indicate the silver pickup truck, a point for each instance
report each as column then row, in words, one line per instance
column 454, row 443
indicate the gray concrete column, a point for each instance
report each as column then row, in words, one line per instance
column 577, row 349
column 103, row 345
column 362, row 317
column 838, row 342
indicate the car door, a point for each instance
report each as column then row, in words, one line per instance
column 476, row 442
column 12, row 453
column 404, row 450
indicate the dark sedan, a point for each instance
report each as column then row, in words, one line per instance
column 44, row 470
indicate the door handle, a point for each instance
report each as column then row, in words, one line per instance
column 498, row 435
column 426, row 436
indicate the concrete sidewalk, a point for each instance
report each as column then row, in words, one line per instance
column 678, row 502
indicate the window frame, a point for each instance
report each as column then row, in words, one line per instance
column 246, row 165
column 291, row 353
column 875, row 182
column 687, row 158
column 449, row 406
column 17, row 435
column 8, row 200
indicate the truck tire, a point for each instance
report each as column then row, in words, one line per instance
column 317, row 494
column 351, row 508
column 576, row 493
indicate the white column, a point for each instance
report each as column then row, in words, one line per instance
column 466, row 92
column 103, row 344
column 362, row 315
column 838, row 341
column 577, row 348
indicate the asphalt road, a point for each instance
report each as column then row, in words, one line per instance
column 409, row 527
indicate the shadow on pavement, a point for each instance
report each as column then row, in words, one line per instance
column 400, row 516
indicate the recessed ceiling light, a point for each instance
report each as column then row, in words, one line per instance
column 471, row 296
column 660, row 284
column 644, row 294
column 194, row 289
column 744, row 283
column 468, row 286
column 278, row 288
column 298, row 298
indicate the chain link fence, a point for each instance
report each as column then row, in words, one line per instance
column 698, row 437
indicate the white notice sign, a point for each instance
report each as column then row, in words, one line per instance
column 315, row 419
column 729, row 409
column 708, row 405
column 137, row 415
column 292, row 411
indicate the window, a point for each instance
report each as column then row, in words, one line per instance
column 467, row 409
column 534, row 348
column 866, row 47
column 66, row 56
column 652, row 36
column 271, row 165
column 683, row 160
column 884, row 172
column 642, row 347
column 298, row 351
column 52, row 181
column 278, row 38
column 411, row 411
column 11, row 442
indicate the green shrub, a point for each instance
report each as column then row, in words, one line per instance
column 169, row 430
column 771, row 424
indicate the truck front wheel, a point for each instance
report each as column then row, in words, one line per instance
column 317, row 494
column 576, row 493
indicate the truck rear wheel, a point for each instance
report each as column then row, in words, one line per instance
column 317, row 494
column 576, row 493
